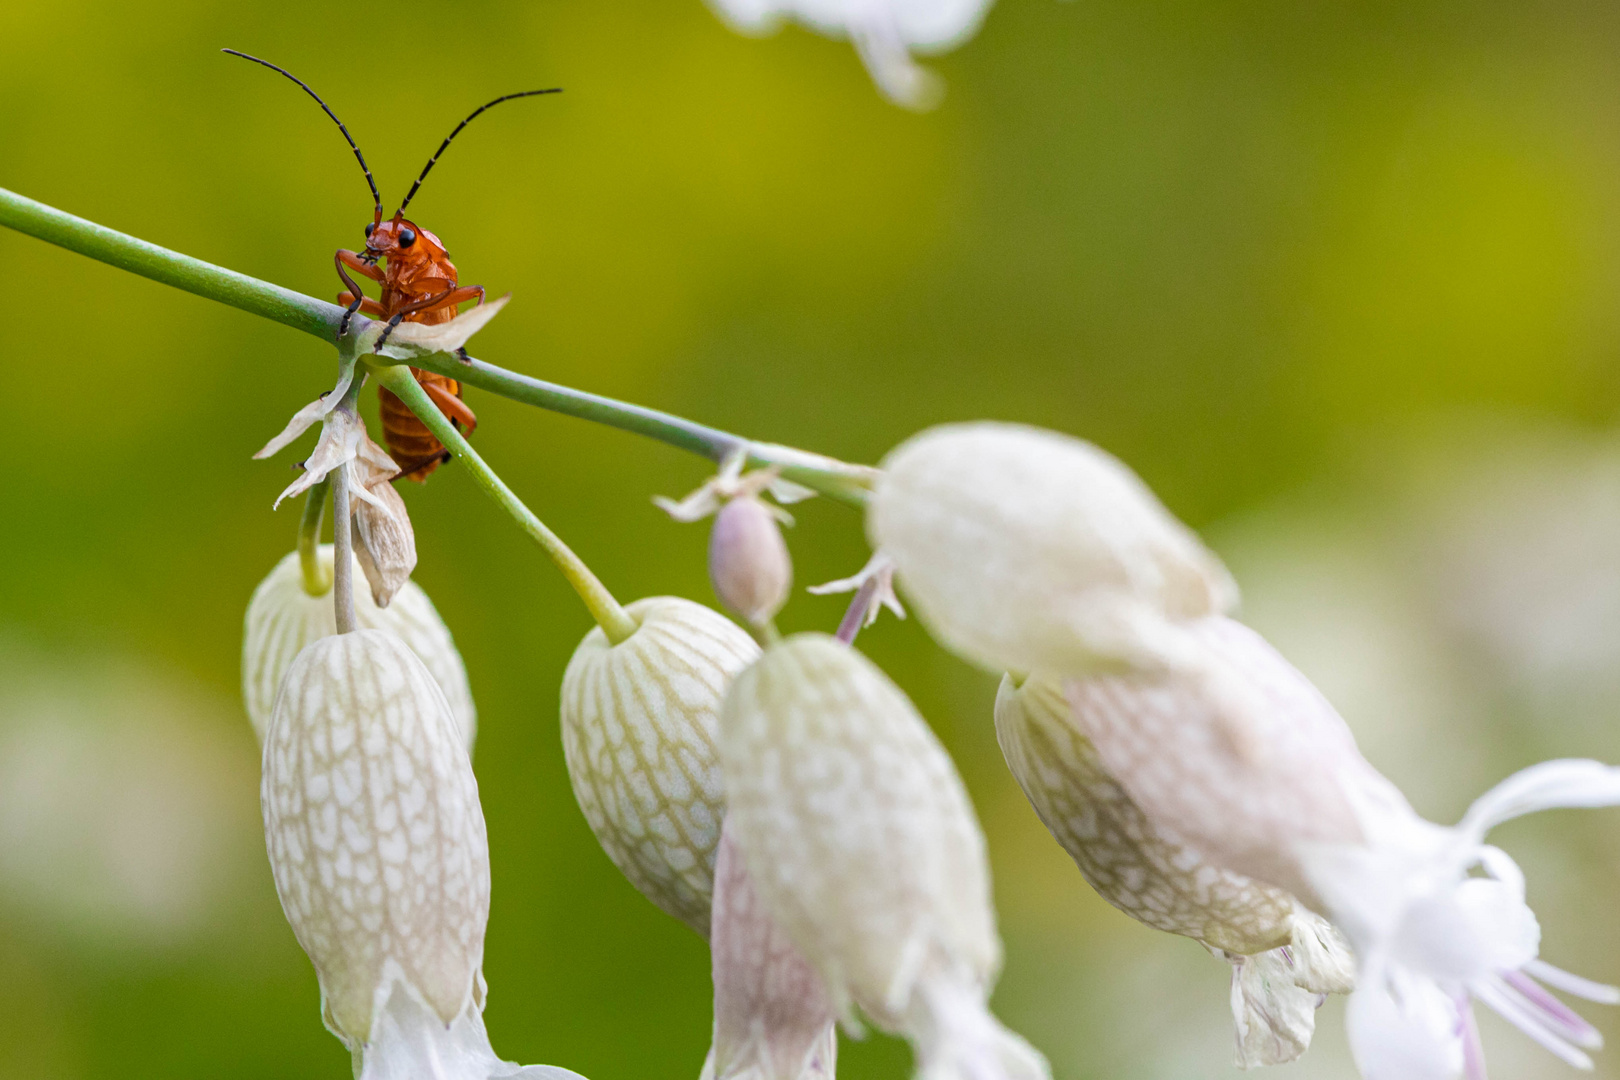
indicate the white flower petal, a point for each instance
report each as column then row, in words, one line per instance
column 302, row 421
column 413, row 340
column 1547, row 786
column 1417, row 1038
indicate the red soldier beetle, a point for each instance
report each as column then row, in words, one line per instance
column 419, row 284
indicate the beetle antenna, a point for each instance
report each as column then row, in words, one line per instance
column 442, row 146
column 361, row 158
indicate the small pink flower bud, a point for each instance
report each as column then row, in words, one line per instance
column 639, row 722
column 860, row 840
column 749, row 562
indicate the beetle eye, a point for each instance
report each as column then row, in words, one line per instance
column 406, row 237
column 370, row 226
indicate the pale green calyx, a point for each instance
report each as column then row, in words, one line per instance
column 377, row 844
column 1284, row 957
column 639, row 723
column 283, row 618
column 863, row 846
column 1027, row 550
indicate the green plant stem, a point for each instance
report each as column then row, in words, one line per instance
column 317, row 580
column 607, row 612
column 342, row 551
column 835, row 479
column 169, row 267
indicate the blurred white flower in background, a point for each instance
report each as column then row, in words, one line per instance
column 126, row 801
column 884, row 32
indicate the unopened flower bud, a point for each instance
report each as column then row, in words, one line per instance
column 749, row 562
column 639, row 723
column 1284, row 957
column 377, row 843
column 1026, row 550
column 860, row 840
column 283, row 618
column 772, row 1020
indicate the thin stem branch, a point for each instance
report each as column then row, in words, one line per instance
column 607, row 612
column 169, row 267
column 316, row 578
column 828, row 476
column 836, row 479
column 342, row 551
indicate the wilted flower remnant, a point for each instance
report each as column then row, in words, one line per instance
column 639, row 723
column 772, row 1020
column 283, row 618
column 377, row 843
column 1284, row 958
column 884, row 32
column 1436, row 916
column 860, row 840
column 1029, row 551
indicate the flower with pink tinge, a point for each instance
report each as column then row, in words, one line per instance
column 1267, row 782
column 861, row 842
column 772, row 1020
column 1285, row 960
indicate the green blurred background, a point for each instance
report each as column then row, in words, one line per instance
column 1337, row 278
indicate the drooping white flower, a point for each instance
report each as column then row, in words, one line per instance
column 884, row 32
column 1284, row 958
column 282, row 618
column 1026, row 550
column 639, row 724
column 384, row 541
column 1269, row 783
column 376, row 839
column 772, row 1020
column 860, row 840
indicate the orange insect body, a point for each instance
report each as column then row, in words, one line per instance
column 418, row 285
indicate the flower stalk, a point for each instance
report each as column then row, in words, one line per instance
column 607, row 612
column 316, row 578
column 835, row 479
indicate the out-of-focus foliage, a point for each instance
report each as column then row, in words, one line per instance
column 1339, row 279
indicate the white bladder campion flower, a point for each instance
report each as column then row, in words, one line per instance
column 1026, row 550
column 639, row 724
column 283, row 618
column 772, row 1020
column 376, row 839
column 858, row 836
column 1270, row 784
column 884, row 32
column 1284, row 958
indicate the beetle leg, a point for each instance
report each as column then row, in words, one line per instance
column 349, row 258
column 359, row 262
column 409, row 471
column 452, row 406
column 449, row 298
column 368, row 306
